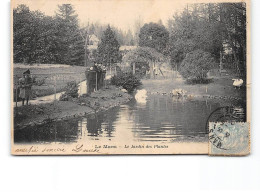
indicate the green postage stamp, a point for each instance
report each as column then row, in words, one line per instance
column 227, row 138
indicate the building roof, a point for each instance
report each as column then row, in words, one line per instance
column 93, row 38
column 127, row 48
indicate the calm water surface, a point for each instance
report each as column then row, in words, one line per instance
column 151, row 118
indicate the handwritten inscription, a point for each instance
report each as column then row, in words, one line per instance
column 53, row 150
column 82, row 149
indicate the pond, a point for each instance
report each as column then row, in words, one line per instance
column 154, row 117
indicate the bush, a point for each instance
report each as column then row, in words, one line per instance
column 39, row 81
column 196, row 65
column 127, row 80
column 71, row 91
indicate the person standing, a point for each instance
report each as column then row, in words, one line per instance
column 25, row 85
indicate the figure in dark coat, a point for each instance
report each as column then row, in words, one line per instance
column 25, row 86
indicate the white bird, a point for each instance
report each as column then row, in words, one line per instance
column 237, row 83
column 141, row 96
column 124, row 90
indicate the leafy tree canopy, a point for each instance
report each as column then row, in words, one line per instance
column 108, row 49
column 154, row 36
column 209, row 27
column 143, row 55
column 196, row 65
column 39, row 38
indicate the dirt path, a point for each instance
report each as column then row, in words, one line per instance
column 51, row 98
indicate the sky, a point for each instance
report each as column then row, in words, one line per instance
column 118, row 13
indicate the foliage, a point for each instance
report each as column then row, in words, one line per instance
column 144, row 54
column 189, row 32
column 71, row 43
column 126, row 80
column 31, row 41
column 71, row 91
column 77, row 50
column 142, row 57
column 98, row 29
column 39, row 81
column 108, row 49
column 43, row 39
column 154, row 36
column 196, row 65
column 209, row 27
column 233, row 23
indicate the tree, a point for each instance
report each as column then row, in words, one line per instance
column 119, row 35
column 196, row 65
column 108, row 49
column 192, row 30
column 209, row 27
column 138, row 23
column 38, row 38
column 34, row 36
column 22, row 34
column 71, row 43
column 78, row 54
column 233, row 22
column 154, row 36
column 129, row 38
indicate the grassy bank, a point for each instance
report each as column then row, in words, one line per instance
column 59, row 110
column 221, row 86
column 220, row 89
column 47, row 76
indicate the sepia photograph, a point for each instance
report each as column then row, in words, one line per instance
column 130, row 77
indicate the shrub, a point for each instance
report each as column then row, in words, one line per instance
column 39, row 81
column 127, row 80
column 196, row 65
column 71, row 91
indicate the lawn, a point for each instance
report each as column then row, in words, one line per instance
column 47, row 76
column 219, row 86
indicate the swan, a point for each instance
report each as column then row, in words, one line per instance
column 141, row 96
column 124, row 90
column 237, row 83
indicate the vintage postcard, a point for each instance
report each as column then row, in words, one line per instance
column 109, row 77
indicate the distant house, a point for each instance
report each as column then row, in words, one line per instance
column 125, row 49
column 93, row 40
column 92, row 45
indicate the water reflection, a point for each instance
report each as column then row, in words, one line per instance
column 160, row 118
